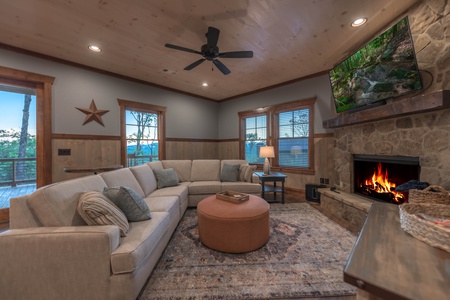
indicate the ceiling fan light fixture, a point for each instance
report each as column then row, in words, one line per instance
column 210, row 52
column 359, row 22
column 94, row 48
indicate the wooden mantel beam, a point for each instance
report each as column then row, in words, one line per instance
column 418, row 104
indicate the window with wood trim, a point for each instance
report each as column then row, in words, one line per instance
column 142, row 132
column 288, row 127
column 255, row 136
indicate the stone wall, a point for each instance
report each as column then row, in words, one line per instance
column 425, row 135
column 430, row 29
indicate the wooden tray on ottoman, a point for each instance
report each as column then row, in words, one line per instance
column 231, row 196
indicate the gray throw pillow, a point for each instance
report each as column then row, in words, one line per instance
column 166, row 177
column 132, row 205
column 229, row 172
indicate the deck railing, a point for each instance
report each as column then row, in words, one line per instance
column 14, row 171
column 135, row 160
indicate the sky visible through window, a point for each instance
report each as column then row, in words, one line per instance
column 12, row 109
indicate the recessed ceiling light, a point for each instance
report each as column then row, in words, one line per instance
column 94, row 48
column 204, row 84
column 359, row 22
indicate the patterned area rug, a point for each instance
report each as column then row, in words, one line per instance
column 304, row 257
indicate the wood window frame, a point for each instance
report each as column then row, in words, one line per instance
column 265, row 111
column 272, row 113
column 43, row 85
column 143, row 107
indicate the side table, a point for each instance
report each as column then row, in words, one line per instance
column 272, row 177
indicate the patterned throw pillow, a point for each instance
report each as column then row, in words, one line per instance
column 96, row 209
column 129, row 202
column 246, row 173
column 229, row 172
column 166, row 177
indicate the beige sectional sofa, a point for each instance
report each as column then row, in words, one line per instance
column 51, row 253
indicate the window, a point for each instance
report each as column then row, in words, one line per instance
column 141, row 136
column 255, row 137
column 142, row 132
column 288, row 127
column 293, row 138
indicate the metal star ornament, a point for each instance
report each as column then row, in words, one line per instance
column 93, row 114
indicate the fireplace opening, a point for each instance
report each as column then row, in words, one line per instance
column 377, row 177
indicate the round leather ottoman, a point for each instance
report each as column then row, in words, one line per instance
column 233, row 228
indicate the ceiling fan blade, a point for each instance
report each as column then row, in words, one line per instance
column 182, row 48
column 194, row 64
column 212, row 37
column 221, row 67
column 237, row 54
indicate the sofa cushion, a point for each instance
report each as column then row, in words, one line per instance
column 123, row 177
column 140, row 243
column 166, row 178
column 146, row 178
column 233, row 162
column 182, row 167
column 246, row 173
column 229, row 172
column 205, row 169
column 242, row 187
column 205, row 187
column 169, row 204
column 156, row 165
column 96, row 209
column 56, row 204
column 130, row 203
column 181, row 191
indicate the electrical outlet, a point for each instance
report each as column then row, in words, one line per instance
column 62, row 152
column 322, row 180
column 326, row 181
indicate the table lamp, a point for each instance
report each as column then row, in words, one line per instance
column 267, row 152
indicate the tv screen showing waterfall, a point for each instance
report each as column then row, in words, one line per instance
column 384, row 68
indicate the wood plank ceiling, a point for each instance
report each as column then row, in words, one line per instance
column 291, row 39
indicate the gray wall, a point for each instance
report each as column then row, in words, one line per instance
column 318, row 87
column 186, row 117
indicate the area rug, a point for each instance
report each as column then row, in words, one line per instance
column 304, row 257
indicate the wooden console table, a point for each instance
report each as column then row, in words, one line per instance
column 388, row 263
column 92, row 170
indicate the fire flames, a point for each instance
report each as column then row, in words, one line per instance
column 379, row 183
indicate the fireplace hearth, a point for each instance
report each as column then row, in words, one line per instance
column 376, row 177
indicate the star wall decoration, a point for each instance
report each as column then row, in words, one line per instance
column 93, row 114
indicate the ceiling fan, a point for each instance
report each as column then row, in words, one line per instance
column 210, row 52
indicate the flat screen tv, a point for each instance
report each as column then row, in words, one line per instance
column 384, row 68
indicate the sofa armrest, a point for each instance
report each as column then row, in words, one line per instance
column 57, row 262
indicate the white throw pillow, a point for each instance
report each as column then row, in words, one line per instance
column 96, row 209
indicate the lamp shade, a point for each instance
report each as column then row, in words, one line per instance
column 266, row 151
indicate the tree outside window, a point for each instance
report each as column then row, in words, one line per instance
column 142, row 137
column 142, row 132
column 255, row 138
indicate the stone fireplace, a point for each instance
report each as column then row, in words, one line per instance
column 377, row 177
column 404, row 127
column 423, row 135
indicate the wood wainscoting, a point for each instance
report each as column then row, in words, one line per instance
column 100, row 151
column 85, row 151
